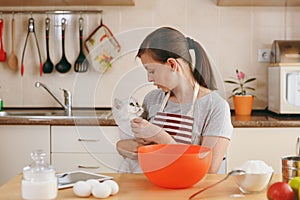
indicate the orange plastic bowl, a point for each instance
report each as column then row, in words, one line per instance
column 174, row 165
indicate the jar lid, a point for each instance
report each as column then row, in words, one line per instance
column 39, row 169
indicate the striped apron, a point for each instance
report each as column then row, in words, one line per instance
column 177, row 125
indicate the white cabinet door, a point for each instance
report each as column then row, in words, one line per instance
column 91, row 148
column 95, row 162
column 267, row 144
column 16, row 144
column 97, row 139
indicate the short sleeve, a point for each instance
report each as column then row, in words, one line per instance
column 212, row 118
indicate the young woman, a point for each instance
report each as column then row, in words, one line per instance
column 185, row 108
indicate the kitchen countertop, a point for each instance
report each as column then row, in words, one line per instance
column 137, row 186
column 103, row 117
column 265, row 118
column 55, row 116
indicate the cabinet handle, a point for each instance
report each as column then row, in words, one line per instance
column 87, row 140
column 88, row 167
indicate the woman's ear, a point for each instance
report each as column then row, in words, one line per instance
column 173, row 64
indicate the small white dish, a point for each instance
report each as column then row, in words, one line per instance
column 253, row 183
column 257, row 177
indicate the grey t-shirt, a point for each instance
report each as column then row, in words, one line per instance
column 211, row 113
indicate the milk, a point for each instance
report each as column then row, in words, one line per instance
column 39, row 180
column 44, row 190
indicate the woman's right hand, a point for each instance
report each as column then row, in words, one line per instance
column 128, row 148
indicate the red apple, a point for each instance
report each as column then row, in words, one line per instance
column 280, row 191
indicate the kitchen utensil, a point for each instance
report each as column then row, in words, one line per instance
column 174, row 165
column 31, row 30
column 291, row 164
column 13, row 59
column 63, row 65
column 2, row 52
column 231, row 173
column 298, row 147
column 290, row 167
column 102, row 47
column 81, row 63
column 48, row 65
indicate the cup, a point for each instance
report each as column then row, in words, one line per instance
column 290, row 167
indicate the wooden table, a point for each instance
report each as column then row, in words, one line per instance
column 137, row 186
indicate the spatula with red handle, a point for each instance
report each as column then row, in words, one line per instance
column 2, row 52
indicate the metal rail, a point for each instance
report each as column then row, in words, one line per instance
column 51, row 12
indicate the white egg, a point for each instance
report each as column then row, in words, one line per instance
column 92, row 182
column 82, row 189
column 113, row 185
column 101, row 190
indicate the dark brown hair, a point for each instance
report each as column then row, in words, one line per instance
column 166, row 42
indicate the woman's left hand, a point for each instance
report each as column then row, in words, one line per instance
column 144, row 129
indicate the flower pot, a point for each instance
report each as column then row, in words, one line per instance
column 243, row 104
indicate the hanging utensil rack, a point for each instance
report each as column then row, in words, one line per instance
column 51, row 12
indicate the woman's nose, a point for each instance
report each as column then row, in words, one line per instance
column 150, row 79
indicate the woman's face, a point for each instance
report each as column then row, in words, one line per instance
column 164, row 76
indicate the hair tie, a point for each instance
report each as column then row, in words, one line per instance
column 191, row 43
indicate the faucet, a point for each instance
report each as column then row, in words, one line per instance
column 67, row 98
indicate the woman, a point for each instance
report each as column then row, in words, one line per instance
column 185, row 108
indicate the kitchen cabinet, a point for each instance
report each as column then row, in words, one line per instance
column 89, row 148
column 16, row 144
column 258, row 3
column 67, row 3
column 267, row 144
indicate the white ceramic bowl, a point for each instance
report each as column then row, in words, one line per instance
column 253, row 182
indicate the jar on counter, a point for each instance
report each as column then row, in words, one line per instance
column 39, row 181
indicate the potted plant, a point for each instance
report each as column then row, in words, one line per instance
column 242, row 100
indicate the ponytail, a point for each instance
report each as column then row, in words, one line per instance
column 203, row 71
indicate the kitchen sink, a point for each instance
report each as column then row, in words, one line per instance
column 57, row 113
column 22, row 113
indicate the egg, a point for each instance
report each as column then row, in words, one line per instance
column 82, row 189
column 113, row 185
column 101, row 190
column 92, row 182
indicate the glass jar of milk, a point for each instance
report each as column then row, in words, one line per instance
column 39, row 180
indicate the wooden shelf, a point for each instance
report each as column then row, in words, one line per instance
column 258, row 2
column 27, row 3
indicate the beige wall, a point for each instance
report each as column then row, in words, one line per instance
column 231, row 36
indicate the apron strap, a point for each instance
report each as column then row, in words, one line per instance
column 196, row 91
column 164, row 103
column 190, row 112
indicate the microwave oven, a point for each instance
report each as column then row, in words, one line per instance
column 284, row 77
column 284, row 89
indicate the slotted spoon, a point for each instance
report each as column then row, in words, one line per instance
column 81, row 63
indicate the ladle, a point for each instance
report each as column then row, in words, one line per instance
column 63, row 65
column 48, row 65
column 231, row 173
column 13, row 59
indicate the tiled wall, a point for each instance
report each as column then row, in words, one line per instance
column 231, row 36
